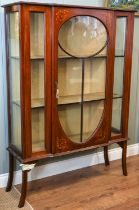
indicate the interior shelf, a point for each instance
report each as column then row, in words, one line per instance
column 38, row 146
column 97, row 56
column 41, row 57
column 76, row 137
column 35, row 103
column 35, row 57
column 72, row 57
column 70, row 99
column 115, row 131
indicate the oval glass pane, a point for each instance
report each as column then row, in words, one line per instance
column 82, row 36
column 70, row 120
column 81, row 77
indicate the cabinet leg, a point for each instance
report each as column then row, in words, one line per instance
column 11, row 173
column 106, row 157
column 124, row 151
column 23, row 189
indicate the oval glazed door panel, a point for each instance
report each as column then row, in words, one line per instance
column 82, row 61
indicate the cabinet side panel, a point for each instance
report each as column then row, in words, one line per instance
column 12, row 19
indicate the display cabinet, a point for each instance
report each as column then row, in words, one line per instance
column 68, row 79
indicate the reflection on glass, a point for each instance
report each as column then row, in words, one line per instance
column 14, row 71
column 92, row 114
column 116, row 116
column 14, row 34
column 70, row 120
column 38, row 129
column 81, row 80
column 69, row 80
column 120, row 35
column 118, row 77
column 37, row 80
column 37, row 35
column 37, row 83
column 82, row 36
column 94, row 78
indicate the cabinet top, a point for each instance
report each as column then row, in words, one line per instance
column 51, row 3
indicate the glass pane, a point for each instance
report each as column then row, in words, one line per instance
column 116, row 116
column 69, row 84
column 37, row 80
column 37, row 83
column 37, row 35
column 70, row 120
column 94, row 79
column 120, row 35
column 14, row 71
column 69, row 80
column 94, row 93
column 118, row 77
column 92, row 115
column 82, row 36
column 14, row 34
column 38, row 129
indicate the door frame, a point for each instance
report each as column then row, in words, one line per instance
column 60, row 143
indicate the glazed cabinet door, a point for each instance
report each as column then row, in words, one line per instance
column 124, row 23
column 35, row 79
column 38, row 20
column 82, row 90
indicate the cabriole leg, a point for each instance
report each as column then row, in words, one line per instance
column 124, row 151
column 106, row 157
column 25, row 169
column 11, row 173
column 23, row 189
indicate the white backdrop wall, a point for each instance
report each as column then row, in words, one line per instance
column 133, row 122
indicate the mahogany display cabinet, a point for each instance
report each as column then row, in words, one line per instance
column 68, row 79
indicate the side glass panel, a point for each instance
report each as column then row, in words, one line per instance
column 82, row 56
column 14, row 77
column 120, row 35
column 118, row 75
column 37, row 80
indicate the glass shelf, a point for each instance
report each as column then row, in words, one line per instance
column 73, row 99
column 76, row 137
column 119, row 56
column 97, row 56
column 38, row 145
column 35, row 57
column 77, row 98
column 68, row 56
column 63, row 100
column 35, row 103
column 115, row 131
